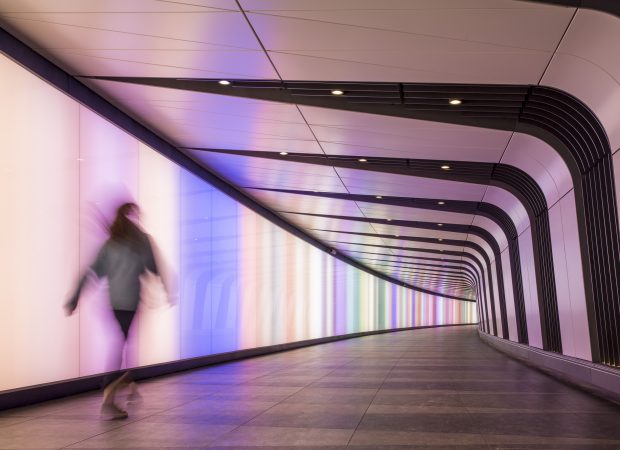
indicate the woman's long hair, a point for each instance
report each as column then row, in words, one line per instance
column 123, row 228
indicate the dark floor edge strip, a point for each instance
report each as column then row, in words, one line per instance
column 50, row 391
column 600, row 380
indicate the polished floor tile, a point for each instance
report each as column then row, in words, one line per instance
column 426, row 389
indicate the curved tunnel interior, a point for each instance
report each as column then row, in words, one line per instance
column 309, row 171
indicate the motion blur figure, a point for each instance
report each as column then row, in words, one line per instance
column 123, row 259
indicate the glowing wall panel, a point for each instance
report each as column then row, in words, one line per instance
column 238, row 280
column 38, row 229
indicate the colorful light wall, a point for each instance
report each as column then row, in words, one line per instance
column 239, row 281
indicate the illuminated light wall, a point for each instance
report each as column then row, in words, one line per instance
column 238, row 281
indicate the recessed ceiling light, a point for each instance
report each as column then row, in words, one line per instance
column 337, row 92
column 445, row 167
column 362, row 160
column 440, row 224
column 441, row 203
column 389, row 220
column 455, row 101
column 379, row 197
column 284, row 153
column 397, row 235
column 224, row 82
column 440, row 239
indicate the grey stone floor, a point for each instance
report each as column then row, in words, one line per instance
column 435, row 388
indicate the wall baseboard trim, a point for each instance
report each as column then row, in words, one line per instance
column 50, row 391
column 602, row 381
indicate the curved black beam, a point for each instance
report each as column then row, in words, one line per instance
column 512, row 179
column 488, row 210
column 453, row 242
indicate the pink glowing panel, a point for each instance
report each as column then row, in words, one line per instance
column 492, row 228
column 584, row 68
column 444, row 19
column 38, row 231
column 158, row 326
column 529, row 290
column 574, row 268
column 510, row 204
column 108, row 178
column 561, row 279
column 541, row 162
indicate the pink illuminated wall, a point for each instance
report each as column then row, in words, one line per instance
column 238, row 280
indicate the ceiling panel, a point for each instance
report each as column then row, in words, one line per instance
column 492, row 228
column 254, row 172
column 374, row 183
column 281, row 202
column 353, row 133
column 584, row 66
column 191, row 119
column 538, row 27
column 542, row 163
column 96, row 6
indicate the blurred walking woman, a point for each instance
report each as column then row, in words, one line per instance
column 124, row 257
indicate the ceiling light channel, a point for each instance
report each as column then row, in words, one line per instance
column 284, row 153
column 445, row 167
column 337, row 92
column 455, row 101
column 224, row 82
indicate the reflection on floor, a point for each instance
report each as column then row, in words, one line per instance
column 435, row 388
